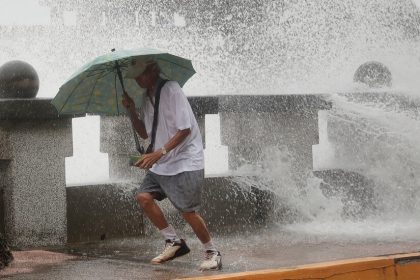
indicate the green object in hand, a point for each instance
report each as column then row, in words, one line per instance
column 134, row 159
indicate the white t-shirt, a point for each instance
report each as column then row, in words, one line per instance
column 175, row 114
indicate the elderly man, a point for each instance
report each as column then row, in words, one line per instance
column 175, row 165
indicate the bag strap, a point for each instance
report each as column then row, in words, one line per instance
column 155, row 115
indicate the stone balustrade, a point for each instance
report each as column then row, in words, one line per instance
column 254, row 127
column 290, row 121
column 39, row 210
column 249, row 124
column 34, row 143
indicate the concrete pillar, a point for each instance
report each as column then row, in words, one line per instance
column 254, row 127
column 34, row 144
column 352, row 140
column 117, row 140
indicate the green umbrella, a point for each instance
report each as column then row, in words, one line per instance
column 97, row 87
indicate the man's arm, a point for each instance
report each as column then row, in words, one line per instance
column 177, row 139
column 137, row 123
column 148, row 160
column 175, row 105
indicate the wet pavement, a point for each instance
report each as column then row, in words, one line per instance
column 129, row 258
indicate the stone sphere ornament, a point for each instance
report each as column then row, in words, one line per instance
column 18, row 79
column 374, row 74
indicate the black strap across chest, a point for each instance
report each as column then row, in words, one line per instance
column 155, row 115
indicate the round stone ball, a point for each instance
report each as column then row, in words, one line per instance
column 18, row 79
column 374, row 74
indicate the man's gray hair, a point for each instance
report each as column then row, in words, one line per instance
column 153, row 66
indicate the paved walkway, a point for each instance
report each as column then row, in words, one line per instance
column 129, row 258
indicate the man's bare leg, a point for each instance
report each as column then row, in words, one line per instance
column 174, row 247
column 152, row 210
column 198, row 225
column 213, row 258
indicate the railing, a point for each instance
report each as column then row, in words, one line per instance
column 35, row 141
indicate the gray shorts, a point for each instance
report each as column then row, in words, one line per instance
column 183, row 189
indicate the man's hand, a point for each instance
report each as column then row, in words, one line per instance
column 148, row 160
column 128, row 102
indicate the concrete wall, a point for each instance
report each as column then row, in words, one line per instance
column 100, row 212
column 3, row 171
column 34, row 144
column 108, row 211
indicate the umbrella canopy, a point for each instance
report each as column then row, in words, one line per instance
column 96, row 88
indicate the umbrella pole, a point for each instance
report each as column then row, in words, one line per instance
column 139, row 148
column 117, row 67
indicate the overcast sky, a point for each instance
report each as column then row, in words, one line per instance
column 23, row 12
column 29, row 12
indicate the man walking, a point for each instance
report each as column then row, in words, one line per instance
column 175, row 165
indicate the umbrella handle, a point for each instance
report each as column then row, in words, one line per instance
column 139, row 148
column 117, row 67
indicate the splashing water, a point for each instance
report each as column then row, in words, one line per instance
column 372, row 137
column 384, row 147
column 272, row 47
column 275, row 174
column 245, row 47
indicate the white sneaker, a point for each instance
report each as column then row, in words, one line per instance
column 212, row 261
column 172, row 250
